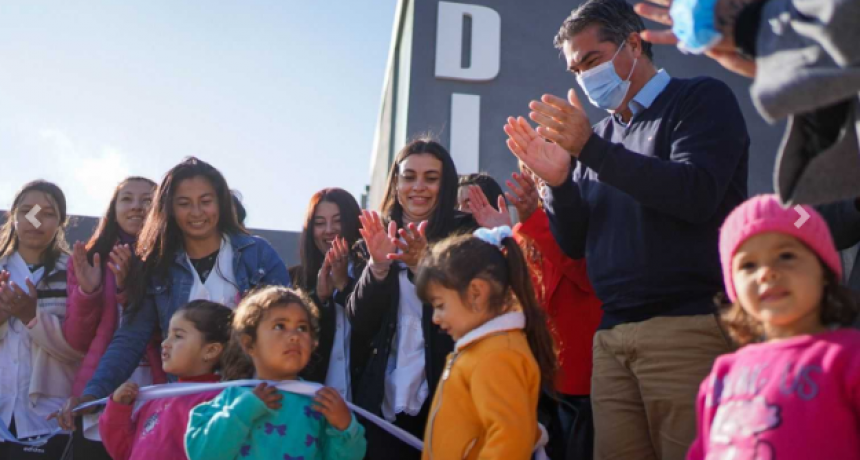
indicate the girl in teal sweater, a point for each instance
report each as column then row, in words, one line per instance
column 277, row 328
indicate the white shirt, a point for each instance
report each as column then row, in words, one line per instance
column 220, row 285
column 406, row 386
column 16, row 369
column 337, row 376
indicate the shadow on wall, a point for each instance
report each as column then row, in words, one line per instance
column 80, row 228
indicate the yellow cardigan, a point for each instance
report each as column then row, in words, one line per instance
column 485, row 406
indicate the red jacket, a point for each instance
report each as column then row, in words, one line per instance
column 563, row 289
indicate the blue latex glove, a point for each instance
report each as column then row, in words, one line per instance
column 694, row 24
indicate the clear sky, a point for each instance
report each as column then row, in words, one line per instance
column 281, row 95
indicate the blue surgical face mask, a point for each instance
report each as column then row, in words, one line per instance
column 694, row 24
column 603, row 86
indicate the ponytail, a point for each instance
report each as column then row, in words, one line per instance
column 537, row 332
column 452, row 264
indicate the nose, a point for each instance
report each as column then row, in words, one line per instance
column 437, row 318
column 196, row 210
column 294, row 337
column 165, row 343
column 767, row 274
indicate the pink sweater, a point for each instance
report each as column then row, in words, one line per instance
column 797, row 398
column 156, row 431
column 89, row 327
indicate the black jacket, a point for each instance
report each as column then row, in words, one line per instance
column 317, row 368
column 372, row 309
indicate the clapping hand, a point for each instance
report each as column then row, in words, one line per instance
column 523, row 195
column 485, row 214
column 546, row 159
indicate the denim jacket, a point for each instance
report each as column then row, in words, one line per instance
column 255, row 263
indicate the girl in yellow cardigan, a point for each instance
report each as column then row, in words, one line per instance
column 486, row 403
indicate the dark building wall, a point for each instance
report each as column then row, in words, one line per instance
column 531, row 67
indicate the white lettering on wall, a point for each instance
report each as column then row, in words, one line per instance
column 465, row 132
column 486, row 46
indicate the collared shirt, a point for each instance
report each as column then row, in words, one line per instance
column 338, row 367
column 646, row 96
column 338, row 376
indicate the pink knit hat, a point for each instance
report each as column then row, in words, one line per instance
column 763, row 214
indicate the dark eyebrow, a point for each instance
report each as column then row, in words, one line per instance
column 587, row 56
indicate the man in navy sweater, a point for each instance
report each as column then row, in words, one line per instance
column 641, row 195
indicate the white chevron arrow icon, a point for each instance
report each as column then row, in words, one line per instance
column 804, row 216
column 31, row 216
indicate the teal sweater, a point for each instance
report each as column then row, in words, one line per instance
column 238, row 425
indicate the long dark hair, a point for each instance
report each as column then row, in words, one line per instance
column 107, row 233
column 247, row 318
column 839, row 306
column 442, row 221
column 160, row 239
column 311, row 256
column 58, row 246
column 451, row 263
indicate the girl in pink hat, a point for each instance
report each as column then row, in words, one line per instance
column 793, row 390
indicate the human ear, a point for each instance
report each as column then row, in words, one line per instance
column 247, row 345
column 478, row 294
column 634, row 41
column 212, row 351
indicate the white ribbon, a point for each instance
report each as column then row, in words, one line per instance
column 182, row 389
column 292, row 386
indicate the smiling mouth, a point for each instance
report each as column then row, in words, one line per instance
column 773, row 294
column 198, row 224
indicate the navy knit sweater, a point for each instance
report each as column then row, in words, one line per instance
column 646, row 202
